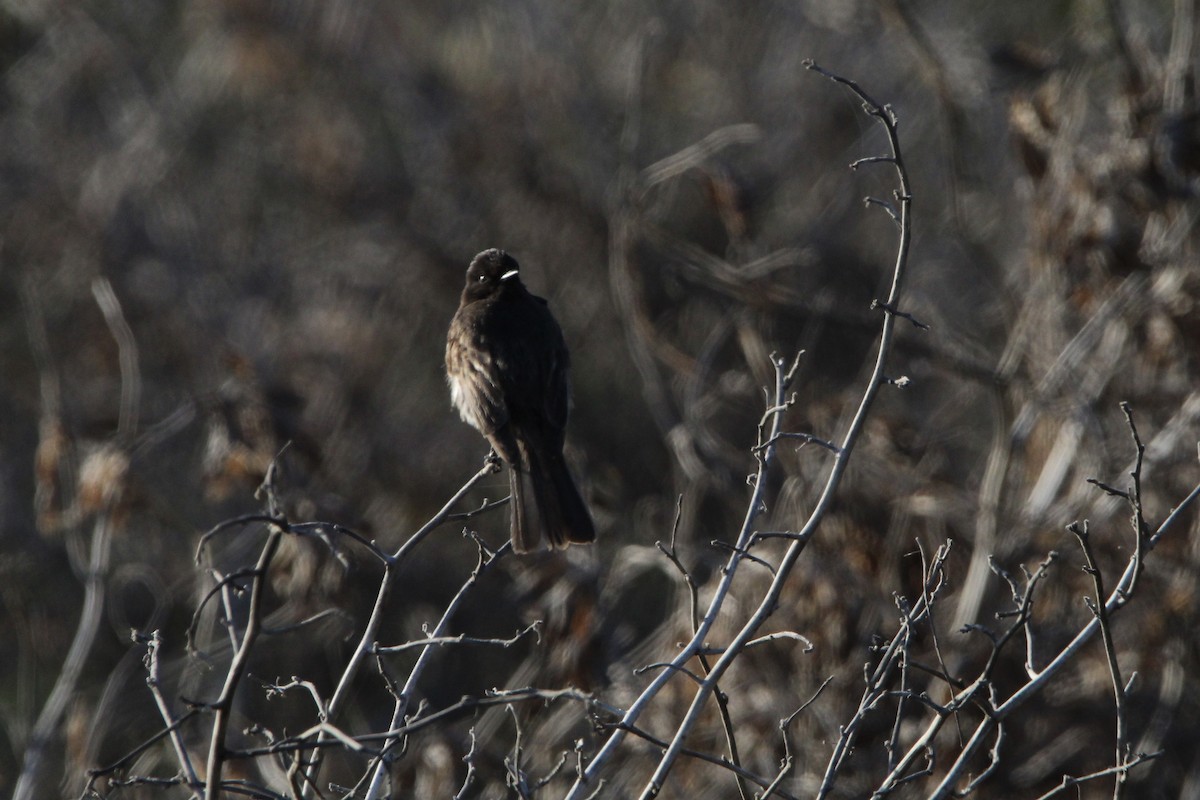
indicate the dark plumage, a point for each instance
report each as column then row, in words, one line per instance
column 507, row 365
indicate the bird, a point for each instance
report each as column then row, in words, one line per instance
column 507, row 365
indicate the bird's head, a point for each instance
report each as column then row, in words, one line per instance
column 489, row 273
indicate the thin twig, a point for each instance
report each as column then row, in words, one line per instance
column 485, row 562
column 807, row 438
column 81, row 645
column 125, row 760
column 367, row 640
column 153, row 643
column 695, row 155
column 1110, row 647
column 895, row 653
column 1134, row 495
column 771, row 597
column 422, row 721
column 461, row 638
column 102, row 531
column 469, row 760
column 891, row 309
column 127, row 355
column 737, row 770
column 608, row 750
column 1069, row 782
column 1118, row 596
column 223, row 706
column 766, row 639
column 693, row 594
column 789, row 758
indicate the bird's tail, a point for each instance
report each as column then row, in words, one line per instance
column 524, row 532
column 557, row 512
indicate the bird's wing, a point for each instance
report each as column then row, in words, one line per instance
column 558, row 384
column 534, row 366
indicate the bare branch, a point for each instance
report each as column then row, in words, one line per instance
column 469, row 760
column 738, row 771
column 768, row 603
column 697, row 154
column 1120, row 769
column 761, row 640
column 223, row 705
column 127, row 353
column 486, row 561
column 1110, row 648
column 153, row 681
column 461, row 638
column 367, row 640
column 1117, row 597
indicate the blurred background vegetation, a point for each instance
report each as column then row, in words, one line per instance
column 284, row 196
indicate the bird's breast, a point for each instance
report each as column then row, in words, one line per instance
column 474, row 391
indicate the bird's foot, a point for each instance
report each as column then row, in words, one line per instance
column 493, row 460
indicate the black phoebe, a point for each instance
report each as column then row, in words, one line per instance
column 507, row 365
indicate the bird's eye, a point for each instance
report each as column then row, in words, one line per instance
column 482, row 278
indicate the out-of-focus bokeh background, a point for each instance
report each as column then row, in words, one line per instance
column 279, row 200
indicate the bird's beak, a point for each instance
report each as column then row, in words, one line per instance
column 512, row 273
